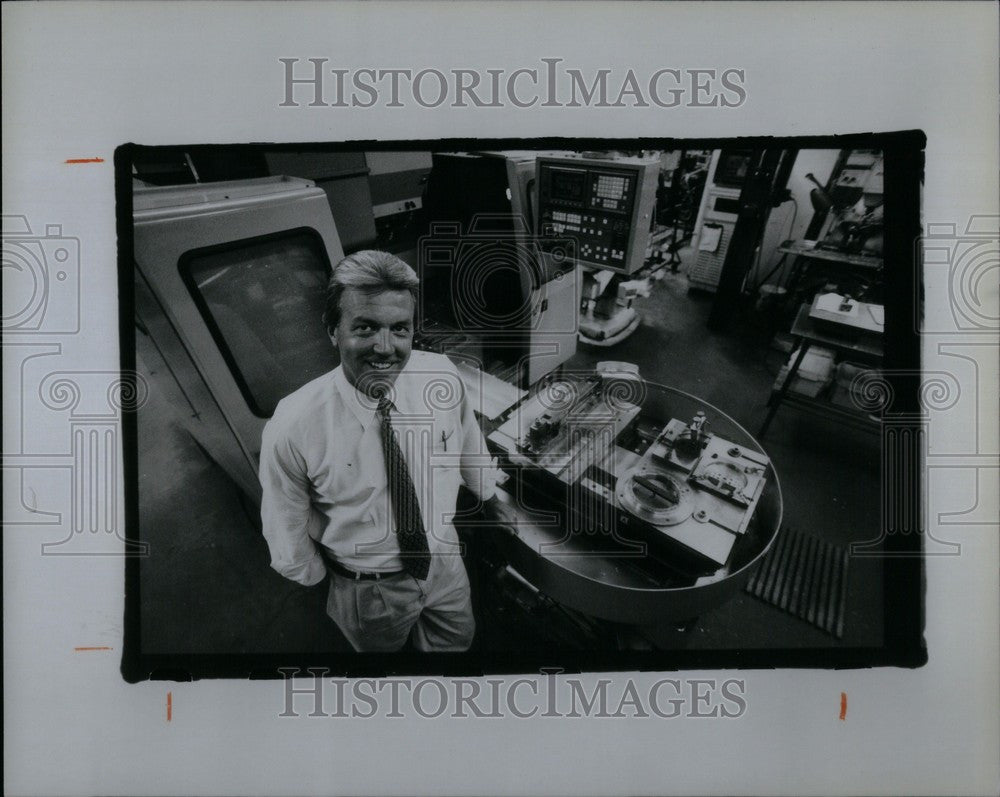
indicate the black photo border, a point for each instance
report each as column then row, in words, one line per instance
column 902, row 562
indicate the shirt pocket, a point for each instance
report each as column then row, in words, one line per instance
column 446, row 452
column 446, row 440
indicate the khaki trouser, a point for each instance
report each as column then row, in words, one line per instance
column 380, row 615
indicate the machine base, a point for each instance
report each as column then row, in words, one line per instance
column 608, row 331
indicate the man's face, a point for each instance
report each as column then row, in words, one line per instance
column 374, row 336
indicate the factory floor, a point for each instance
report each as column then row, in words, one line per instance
column 829, row 473
column 206, row 586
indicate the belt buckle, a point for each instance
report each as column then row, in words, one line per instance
column 365, row 575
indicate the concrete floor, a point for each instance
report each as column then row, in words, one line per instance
column 830, row 475
column 207, row 588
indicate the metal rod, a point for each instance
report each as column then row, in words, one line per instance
column 824, row 584
column 779, row 557
column 793, row 563
column 771, row 563
column 820, row 575
column 782, row 575
column 754, row 582
column 800, row 567
column 843, row 597
column 778, row 396
column 814, row 583
column 835, row 591
column 806, row 576
column 751, row 586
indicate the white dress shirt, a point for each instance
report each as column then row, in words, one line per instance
column 323, row 473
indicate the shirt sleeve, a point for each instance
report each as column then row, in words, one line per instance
column 286, row 510
column 479, row 470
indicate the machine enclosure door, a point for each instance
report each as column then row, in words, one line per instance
column 171, row 223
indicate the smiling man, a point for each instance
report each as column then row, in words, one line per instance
column 361, row 468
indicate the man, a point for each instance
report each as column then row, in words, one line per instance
column 361, row 468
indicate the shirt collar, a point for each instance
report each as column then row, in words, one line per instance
column 363, row 407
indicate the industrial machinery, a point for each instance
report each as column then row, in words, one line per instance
column 855, row 196
column 682, row 182
column 229, row 286
column 717, row 217
column 607, row 208
column 607, row 316
column 605, row 205
column 485, row 278
column 396, row 181
column 639, row 504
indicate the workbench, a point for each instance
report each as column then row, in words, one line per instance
column 806, row 330
column 859, row 261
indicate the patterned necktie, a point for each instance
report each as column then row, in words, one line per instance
column 410, row 530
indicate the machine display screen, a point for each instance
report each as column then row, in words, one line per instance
column 733, row 166
column 568, row 184
column 263, row 301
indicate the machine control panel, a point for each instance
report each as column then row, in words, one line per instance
column 605, row 205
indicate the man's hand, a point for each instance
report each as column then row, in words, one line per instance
column 320, row 587
column 500, row 515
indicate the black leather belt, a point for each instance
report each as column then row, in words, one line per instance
column 356, row 575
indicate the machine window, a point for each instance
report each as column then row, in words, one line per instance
column 263, row 301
